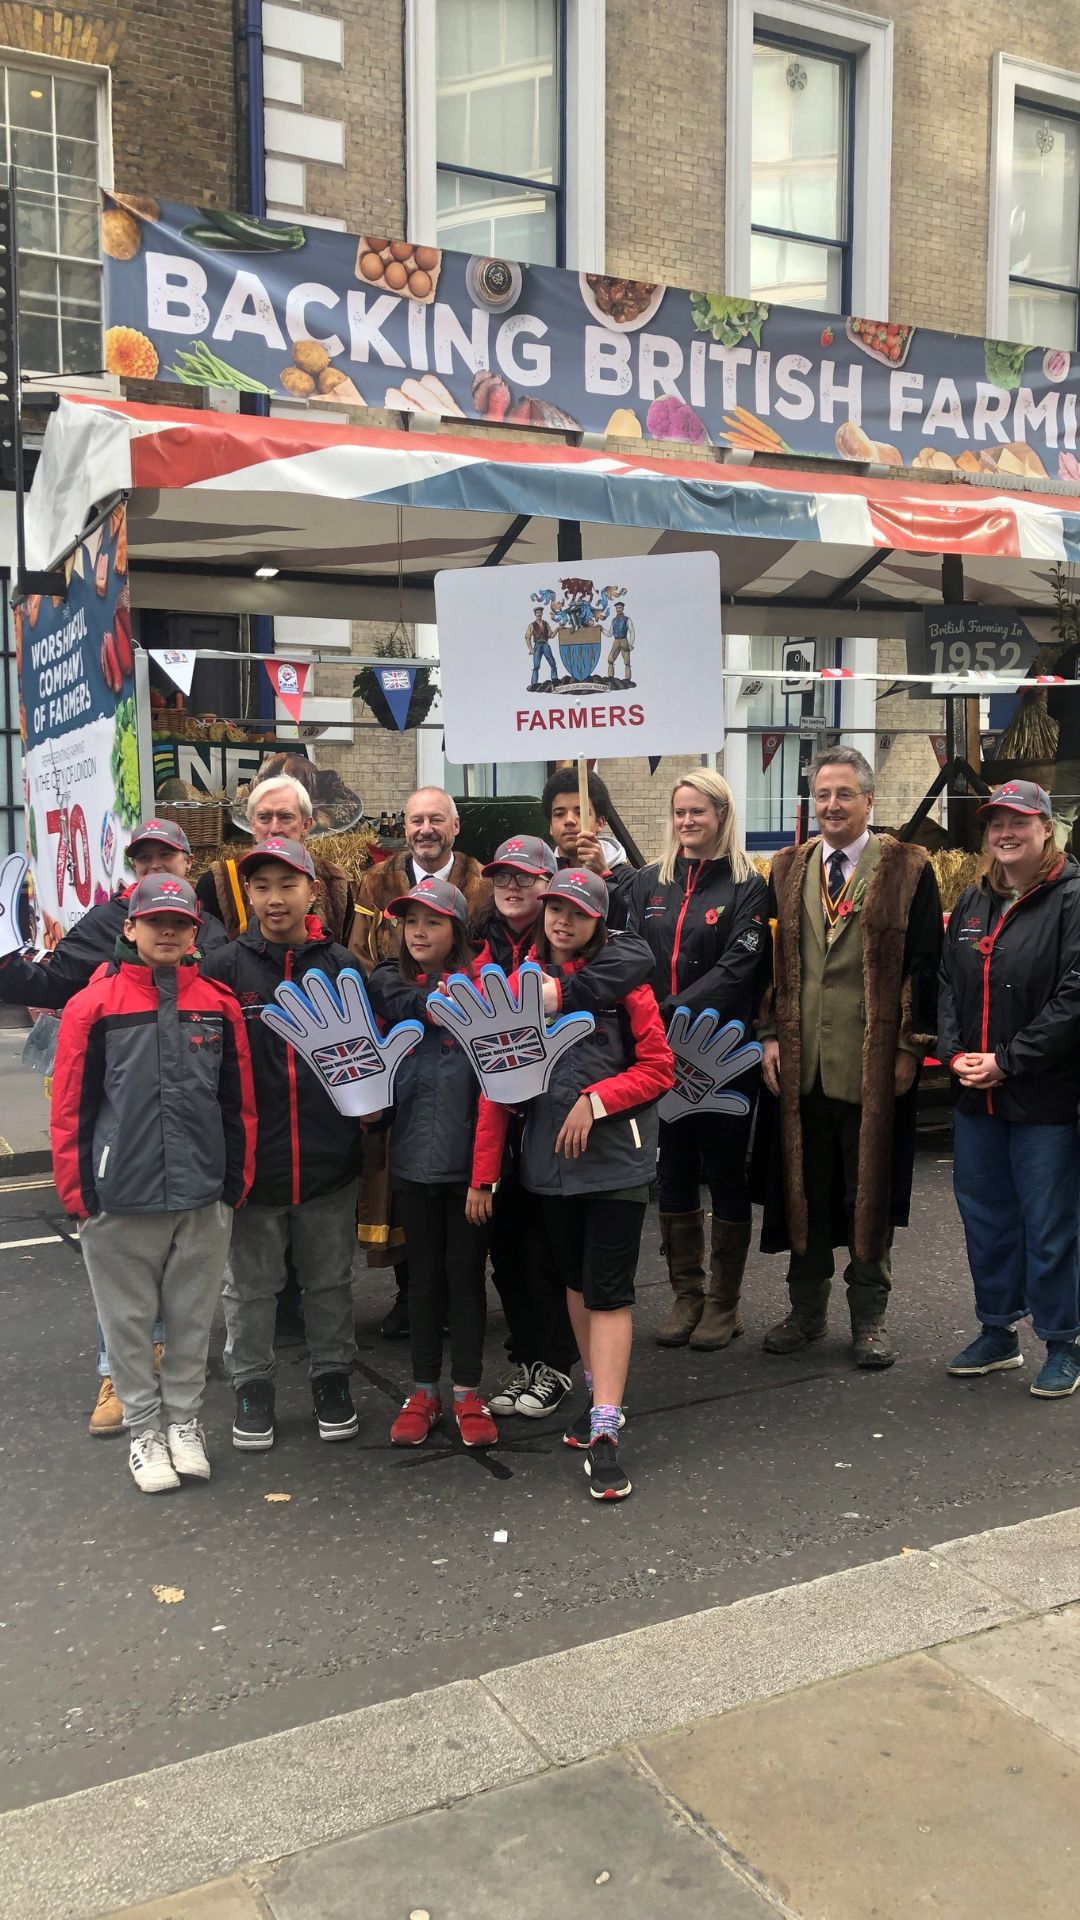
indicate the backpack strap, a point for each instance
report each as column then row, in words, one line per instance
column 237, row 893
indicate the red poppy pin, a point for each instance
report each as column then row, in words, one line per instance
column 711, row 917
column 845, row 907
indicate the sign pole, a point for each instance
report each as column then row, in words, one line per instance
column 583, row 795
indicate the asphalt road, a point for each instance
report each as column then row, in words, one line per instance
column 380, row 1575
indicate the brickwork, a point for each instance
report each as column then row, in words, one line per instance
column 909, row 766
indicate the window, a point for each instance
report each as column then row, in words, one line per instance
column 809, row 143
column 51, row 137
column 499, row 128
column 801, row 153
column 1044, row 227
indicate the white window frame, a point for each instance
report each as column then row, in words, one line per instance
column 104, row 383
column 836, row 29
column 1048, row 87
column 584, row 185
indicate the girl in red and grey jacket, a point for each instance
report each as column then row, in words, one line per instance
column 431, row 1134
column 589, row 1150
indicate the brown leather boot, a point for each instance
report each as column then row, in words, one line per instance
column 719, row 1324
column 108, row 1415
column 682, row 1241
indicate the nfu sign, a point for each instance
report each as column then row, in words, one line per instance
column 621, row 657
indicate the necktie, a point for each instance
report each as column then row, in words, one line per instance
column 836, row 874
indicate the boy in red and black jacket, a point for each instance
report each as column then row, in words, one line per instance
column 307, row 1160
column 153, row 1133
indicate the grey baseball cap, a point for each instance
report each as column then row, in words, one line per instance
column 162, row 893
column 526, row 853
column 1019, row 796
column 585, row 890
column 289, row 852
column 165, row 833
column 441, row 896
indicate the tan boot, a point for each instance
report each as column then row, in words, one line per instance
column 682, row 1241
column 719, row 1324
column 108, row 1415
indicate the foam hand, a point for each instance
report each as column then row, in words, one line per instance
column 12, row 875
column 332, row 1025
column 707, row 1058
column 510, row 1048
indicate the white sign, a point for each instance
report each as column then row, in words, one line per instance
column 582, row 659
column 797, row 657
column 178, row 663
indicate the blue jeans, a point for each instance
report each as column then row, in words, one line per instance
column 541, row 653
column 103, row 1367
column 1018, row 1191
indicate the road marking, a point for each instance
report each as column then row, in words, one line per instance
column 43, row 1240
column 25, row 1186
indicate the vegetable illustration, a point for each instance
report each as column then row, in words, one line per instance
column 669, row 418
column 201, row 368
column 125, row 763
column 728, row 320
column 745, row 430
column 129, row 353
column 1004, row 362
column 225, row 232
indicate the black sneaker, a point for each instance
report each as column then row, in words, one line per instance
column 545, row 1392
column 334, row 1409
column 579, row 1434
column 253, row 1421
column 396, row 1324
column 607, row 1480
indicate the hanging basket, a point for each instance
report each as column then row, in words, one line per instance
column 366, row 688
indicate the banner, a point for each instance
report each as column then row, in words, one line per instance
column 770, row 746
column 397, row 685
column 967, row 639
column 210, row 298
column 178, row 663
column 77, row 716
column 288, row 679
column 539, row 663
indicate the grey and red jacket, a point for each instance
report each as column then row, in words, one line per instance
column 1009, row 985
column 153, row 1107
column 74, row 961
column 709, row 936
column 305, row 1147
column 625, row 1066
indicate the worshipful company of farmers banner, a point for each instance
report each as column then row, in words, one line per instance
column 77, row 714
column 210, row 298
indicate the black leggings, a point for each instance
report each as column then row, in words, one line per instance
column 447, row 1258
column 531, row 1290
column 707, row 1148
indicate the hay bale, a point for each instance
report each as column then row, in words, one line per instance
column 350, row 851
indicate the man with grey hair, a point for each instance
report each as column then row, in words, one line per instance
column 850, row 1014
column 431, row 827
column 280, row 804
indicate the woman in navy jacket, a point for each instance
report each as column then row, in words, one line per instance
column 1009, row 1029
column 703, row 909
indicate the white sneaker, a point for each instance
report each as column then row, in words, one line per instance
column 515, row 1384
column 546, row 1391
column 187, row 1450
column 150, row 1463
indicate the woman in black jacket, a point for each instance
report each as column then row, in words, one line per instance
column 1009, row 1030
column 703, row 911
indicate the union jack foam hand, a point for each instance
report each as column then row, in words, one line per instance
column 12, row 875
column 331, row 1023
column 510, row 1048
column 706, row 1061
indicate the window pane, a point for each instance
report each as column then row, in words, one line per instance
column 1044, row 224
column 38, row 343
column 37, row 223
column 1045, row 319
column 485, row 216
column 82, row 346
column 79, row 229
column 32, row 150
column 496, row 92
column 76, row 166
column 76, row 109
column 799, row 143
column 796, row 274
column 30, row 99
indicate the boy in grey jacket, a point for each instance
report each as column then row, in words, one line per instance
column 153, row 1139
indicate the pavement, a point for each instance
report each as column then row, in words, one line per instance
column 898, row 1739
column 24, row 1108
column 291, row 1674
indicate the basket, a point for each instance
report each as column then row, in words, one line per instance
column 204, row 821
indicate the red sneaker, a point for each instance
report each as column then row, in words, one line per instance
column 416, row 1419
column 474, row 1422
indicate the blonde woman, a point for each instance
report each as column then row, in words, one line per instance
column 703, row 911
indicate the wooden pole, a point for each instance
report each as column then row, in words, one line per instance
column 583, row 795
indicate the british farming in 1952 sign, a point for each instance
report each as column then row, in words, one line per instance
column 582, row 660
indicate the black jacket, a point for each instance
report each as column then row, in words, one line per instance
column 305, row 1147
column 90, row 943
column 436, row 1090
column 1010, row 985
column 623, row 962
column 709, row 937
column 619, row 879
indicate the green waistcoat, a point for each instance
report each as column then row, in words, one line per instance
column 832, row 1006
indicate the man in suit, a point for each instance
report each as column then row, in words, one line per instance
column 856, row 943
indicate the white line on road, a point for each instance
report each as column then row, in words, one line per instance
column 43, row 1240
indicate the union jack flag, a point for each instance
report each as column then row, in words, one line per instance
column 396, row 680
column 347, row 1060
column 691, row 1084
column 501, row 1052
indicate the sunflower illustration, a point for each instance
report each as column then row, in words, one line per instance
column 130, row 353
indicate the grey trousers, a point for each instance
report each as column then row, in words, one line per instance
column 143, row 1264
column 323, row 1235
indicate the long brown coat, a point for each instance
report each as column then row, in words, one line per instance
column 901, row 936
column 376, row 934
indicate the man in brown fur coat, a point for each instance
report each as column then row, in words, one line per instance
column 431, row 826
column 856, row 943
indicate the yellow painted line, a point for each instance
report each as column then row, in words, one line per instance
column 43, row 1240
